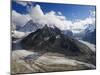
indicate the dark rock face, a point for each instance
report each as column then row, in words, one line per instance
column 68, row 33
column 51, row 39
column 90, row 36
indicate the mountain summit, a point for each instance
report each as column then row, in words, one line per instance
column 30, row 26
column 52, row 39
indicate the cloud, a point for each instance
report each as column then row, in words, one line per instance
column 56, row 18
column 51, row 18
column 36, row 12
column 19, row 19
column 24, row 3
column 82, row 23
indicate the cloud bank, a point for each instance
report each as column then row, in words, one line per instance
column 51, row 18
column 19, row 19
column 23, row 3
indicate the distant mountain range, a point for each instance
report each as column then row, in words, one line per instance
column 89, row 34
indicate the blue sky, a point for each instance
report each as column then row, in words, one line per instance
column 64, row 16
column 70, row 11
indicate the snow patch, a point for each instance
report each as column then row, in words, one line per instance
column 18, row 34
column 91, row 46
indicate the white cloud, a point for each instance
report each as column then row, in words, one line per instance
column 19, row 19
column 36, row 12
column 56, row 18
column 51, row 18
column 82, row 24
column 23, row 3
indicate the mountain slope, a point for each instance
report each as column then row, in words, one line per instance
column 30, row 26
column 44, row 63
column 50, row 39
column 48, row 50
column 90, row 35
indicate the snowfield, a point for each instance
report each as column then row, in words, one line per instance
column 44, row 63
column 91, row 46
column 18, row 34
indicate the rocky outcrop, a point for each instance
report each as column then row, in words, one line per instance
column 51, row 39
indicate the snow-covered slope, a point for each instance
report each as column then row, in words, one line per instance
column 91, row 46
column 44, row 63
column 18, row 34
column 25, row 61
column 90, row 28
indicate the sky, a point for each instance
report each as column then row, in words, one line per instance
column 64, row 16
